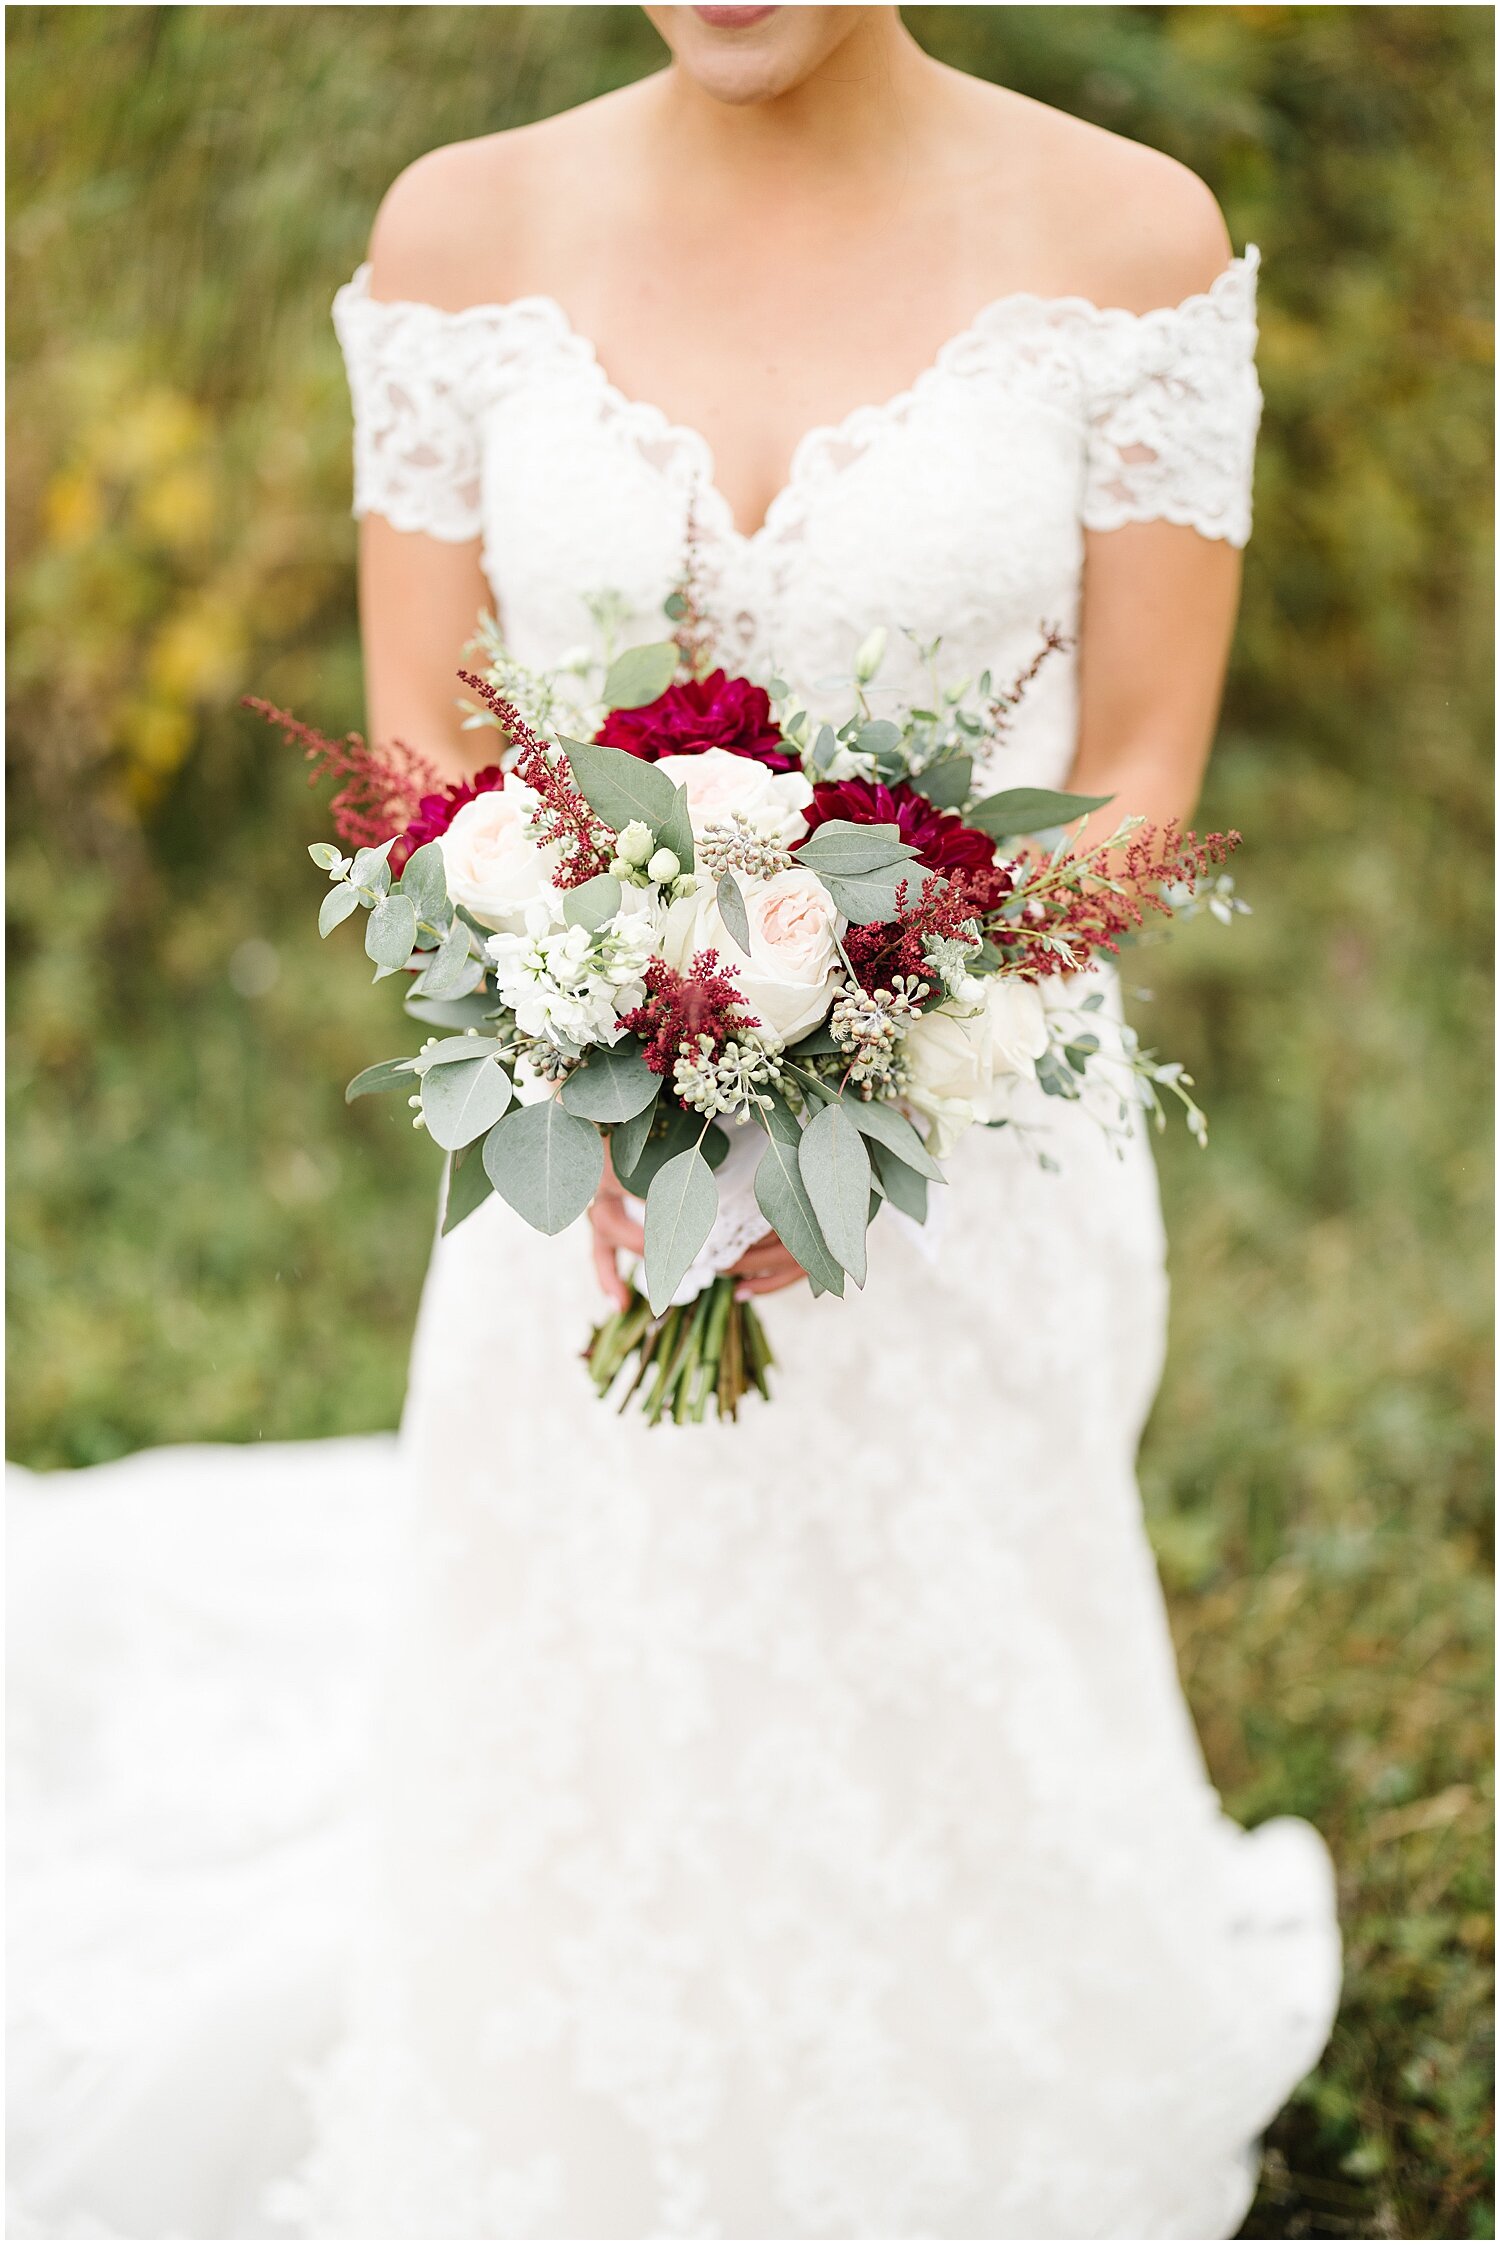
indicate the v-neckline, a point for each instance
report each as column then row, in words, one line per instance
column 686, row 437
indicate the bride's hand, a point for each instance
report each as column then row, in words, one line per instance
column 615, row 1234
column 766, row 1268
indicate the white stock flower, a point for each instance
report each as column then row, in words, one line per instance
column 571, row 985
column 793, row 968
column 957, row 1061
column 719, row 783
column 493, row 865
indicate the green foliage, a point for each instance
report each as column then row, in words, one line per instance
column 205, row 1242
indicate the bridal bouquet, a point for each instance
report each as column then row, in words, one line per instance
column 772, row 966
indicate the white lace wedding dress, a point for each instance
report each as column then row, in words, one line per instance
column 788, row 1830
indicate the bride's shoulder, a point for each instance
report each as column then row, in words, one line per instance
column 472, row 222
column 1119, row 223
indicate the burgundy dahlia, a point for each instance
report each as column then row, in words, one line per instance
column 712, row 712
column 940, row 838
column 436, row 813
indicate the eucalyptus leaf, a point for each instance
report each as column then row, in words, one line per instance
column 325, row 855
column 620, row 787
column 680, row 1210
column 450, row 1013
column 821, row 1039
column 675, row 832
column 836, row 1171
column 1030, row 810
column 592, row 902
column 640, row 674
column 732, row 911
column 426, row 882
column 889, row 1127
column 946, row 785
column 461, row 1102
column 546, row 1163
column 613, row 1084
column 825, row 748
column 386, row 1075
column 903, row 1187
column 391, row 931
column 865, row 897
column 469, row 1183
column 450, row 969
column 627, row 1138
column 452, row 1051
column 841, row 846
column 370, row 870
column 782, row 1198
column 336, row 907
column 878, row 737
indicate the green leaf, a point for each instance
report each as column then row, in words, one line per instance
column 450, row 968
column 386, row 1075
column 613, row 1084
column 426, row 882
column 836, row 1171
column 391, row 931
column 451, row 1050
column 460, row 1103
column 872, row 1118
column 840, row 846
column 825, row 748
column 450, row 1013
column 370, row 869
column 864, row 897
column 469, row 1183
column 620, row 787
column 821, row 1039
column 680, row 1211
column 336, row 907
column 325, row 855
column 946, row 785
column 904, row 1189
column 782, row 1198
column 676, row 1132
column 628, row 1138
column 732, row 911
column 878, row 737
column 592, row 902
column 1029, row 810
column 546, row 1163
column 640, row 674
column 675, row 832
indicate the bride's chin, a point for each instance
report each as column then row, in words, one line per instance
column 743, row 55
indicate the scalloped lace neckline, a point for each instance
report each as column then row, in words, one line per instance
column 655, row 426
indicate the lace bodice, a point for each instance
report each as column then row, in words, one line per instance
column 956, row 509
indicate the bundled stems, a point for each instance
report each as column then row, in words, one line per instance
column 710, row 1350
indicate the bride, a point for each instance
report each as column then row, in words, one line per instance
column 790, row 1829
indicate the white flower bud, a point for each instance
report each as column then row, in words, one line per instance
column 664, row 865
column 636, row 843
column 870, row 656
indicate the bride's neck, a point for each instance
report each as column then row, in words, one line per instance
column 852, row 120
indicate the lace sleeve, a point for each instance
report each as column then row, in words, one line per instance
column 418, row 378
column 1173, row 409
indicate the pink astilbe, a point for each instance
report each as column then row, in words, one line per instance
column 382, row 787
column 678, row 1009
column 1093, row 917
column 563, row 814
column 1003, row 706
column 884, row 949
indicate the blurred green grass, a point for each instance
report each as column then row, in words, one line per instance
column 206, row 1244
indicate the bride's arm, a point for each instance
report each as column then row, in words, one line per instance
column 419, row 601
column 1159, row 605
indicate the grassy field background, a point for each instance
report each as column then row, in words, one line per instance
column 205, row 1244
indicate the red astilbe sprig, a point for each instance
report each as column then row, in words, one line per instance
column 563, row 814
column 381, row 787
column 1003, row 706
column 678, row 1009
column 884, row 949
column 1093, row 913
column 693, row 629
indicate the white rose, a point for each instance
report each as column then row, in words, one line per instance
column 793, row 967
column 957, row 1062
column 493, row 866
column 719, row 783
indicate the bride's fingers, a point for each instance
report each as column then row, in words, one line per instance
column 607, row 1271
column 769, row 1282
column 611, row 1222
